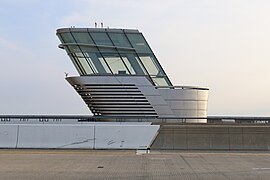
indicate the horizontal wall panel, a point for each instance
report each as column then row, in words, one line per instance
column 213, row 137
column 202, row 105
column 149, row 91
column 125, row 137
column 56, row 136
column 116, row 93
column 182, row 94
column 186, row 113
column 124, row 106
column 107, row 91
column 125, row 109
column 88, row 136
column 113, row 97
column 183, row 105
column 8, row 135
column 114, row 103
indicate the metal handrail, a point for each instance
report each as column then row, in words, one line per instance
column 181, row 87
column 94, row 45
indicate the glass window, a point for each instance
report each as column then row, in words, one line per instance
column 139, row 43
column 78, row 54
column 101, row 38
column 67, row 38
column 85, row 65
column 99, row 65
column 128, row 65
column 133, row 64
column 119, row 39
column 94, row 69
column 75, row 64
column 88, row 49
column 151, row 66
column 115, row 63
column 160, row 81
column 105, row 65
column 74, row 49
column 82, row 38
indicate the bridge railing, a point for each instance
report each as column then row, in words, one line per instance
column 74, row 119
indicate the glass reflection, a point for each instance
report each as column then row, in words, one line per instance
column 139, row 43
column 151, row 65
column 119, row 40
column 82, row 37
column 116, row 64
column 101, row 39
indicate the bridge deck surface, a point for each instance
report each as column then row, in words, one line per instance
column 129, row 164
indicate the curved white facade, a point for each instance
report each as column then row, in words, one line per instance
column 136, row 96
column 120, row 76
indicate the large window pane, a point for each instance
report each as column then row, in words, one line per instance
column 160, row 81
column 73, row 59
column 98, row 63
column 151, row 66
column 139, row 43
column 115, row 63
column 67, row 38
column 128, row 65
column 78, row 54
column 119, row 40
column 133, row 64
column 90, row 62
column 101, row 39
column 83, row 38
column 74, row 49
column 85, row 65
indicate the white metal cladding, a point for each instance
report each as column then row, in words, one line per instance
column 136, row 96
column 109, row 98
column 89, row 135
column 186, row 102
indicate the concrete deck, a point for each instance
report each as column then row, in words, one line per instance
column 105, row 164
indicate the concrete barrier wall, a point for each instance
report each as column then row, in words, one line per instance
column 55, row 136
column 213, row 137
column 89, row 136
column 8, row 136
column 125, row 137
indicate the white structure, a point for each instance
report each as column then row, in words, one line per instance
column 87, row 135
column 124, row 86
column 120, row 76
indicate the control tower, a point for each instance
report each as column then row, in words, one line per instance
column 120, row 76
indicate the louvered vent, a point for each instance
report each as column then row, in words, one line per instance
column 115, row 100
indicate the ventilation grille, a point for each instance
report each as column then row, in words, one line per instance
column 115, row 100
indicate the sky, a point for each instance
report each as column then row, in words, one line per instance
column 220, row 44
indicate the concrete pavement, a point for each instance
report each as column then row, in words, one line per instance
column 121, row 164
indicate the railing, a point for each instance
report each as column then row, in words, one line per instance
column 182, row 87
column 73, row 119
column 94, row 45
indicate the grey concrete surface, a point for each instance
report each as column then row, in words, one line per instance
column 213, row 137
column 85, row 164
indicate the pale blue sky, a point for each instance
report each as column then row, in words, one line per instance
column 221, row 44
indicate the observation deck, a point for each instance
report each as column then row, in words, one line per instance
column 121, row 76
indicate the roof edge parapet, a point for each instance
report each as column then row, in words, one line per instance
column 62, row 30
